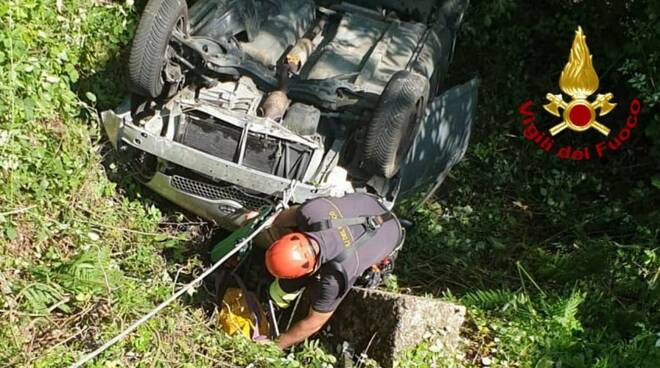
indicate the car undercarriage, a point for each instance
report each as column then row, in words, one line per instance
column 234, row 100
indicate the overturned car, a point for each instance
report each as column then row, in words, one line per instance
column 236, row 100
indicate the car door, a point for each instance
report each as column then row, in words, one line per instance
column 440, row 142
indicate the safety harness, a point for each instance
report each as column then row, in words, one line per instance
column 371, row 224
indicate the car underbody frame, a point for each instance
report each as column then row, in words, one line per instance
column 230, row 84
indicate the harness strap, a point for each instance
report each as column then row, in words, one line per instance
column 368, row 221
column 353, row 248
column 371, row 223
column 336, row 263
column 339, row 268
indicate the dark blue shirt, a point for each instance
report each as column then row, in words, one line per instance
column 326, row 289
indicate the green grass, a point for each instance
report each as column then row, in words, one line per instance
column 557, row 262
column 82, row 256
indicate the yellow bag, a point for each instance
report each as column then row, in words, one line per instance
column 237, row 317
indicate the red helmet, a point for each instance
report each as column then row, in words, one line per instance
column 291, row 256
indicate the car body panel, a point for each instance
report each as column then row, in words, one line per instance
column 420, row 10
column 367, row 51
column 281, row 31
column 441, row 140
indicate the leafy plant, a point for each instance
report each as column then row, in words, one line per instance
column 42, row 298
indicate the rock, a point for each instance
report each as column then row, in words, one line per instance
column 384, row 324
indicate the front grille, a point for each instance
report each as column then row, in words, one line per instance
column 214, row 192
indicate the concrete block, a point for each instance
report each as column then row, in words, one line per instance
column 385, row 324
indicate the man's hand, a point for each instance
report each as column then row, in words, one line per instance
column 303, row 329
column 250, row 215
column 263, row 340
column 245, row 218
column 240, row 219
column 286, row 218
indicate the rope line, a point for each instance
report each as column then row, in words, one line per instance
column 287, row 195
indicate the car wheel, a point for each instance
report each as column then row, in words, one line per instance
column 392, row 128
column 150, row 49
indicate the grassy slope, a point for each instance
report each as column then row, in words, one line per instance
column 558, row 261
column 82, row 256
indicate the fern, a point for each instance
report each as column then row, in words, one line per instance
column 89, row 272
column 501, row 299
column 489, row 299
column 40, row 297
column 565, row 312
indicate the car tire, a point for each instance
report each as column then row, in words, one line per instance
column 148, row 52
column 394, row 123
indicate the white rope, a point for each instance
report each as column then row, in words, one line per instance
column 288, row 193
column 184, row 289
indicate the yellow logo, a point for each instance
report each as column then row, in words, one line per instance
column 341, row 230
column 579, row 80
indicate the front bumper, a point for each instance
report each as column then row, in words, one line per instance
column 242, row 188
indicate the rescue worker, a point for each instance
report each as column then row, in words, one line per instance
column 335, row 240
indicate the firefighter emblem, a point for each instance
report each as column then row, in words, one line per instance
column 579, row 80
